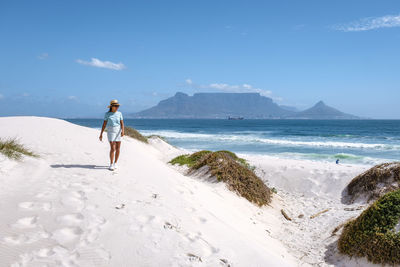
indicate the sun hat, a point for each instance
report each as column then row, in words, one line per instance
column 113, row 103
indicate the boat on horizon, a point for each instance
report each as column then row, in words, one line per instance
column 235, row 118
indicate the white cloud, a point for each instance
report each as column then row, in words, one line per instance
column 370, row 23
column 25, row 94
column 43, row 56
column 231, row 88
column 1, row 96
column 95, row 62
column 72, row 97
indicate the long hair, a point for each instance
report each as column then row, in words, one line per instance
column 110, row 109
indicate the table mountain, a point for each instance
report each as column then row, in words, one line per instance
column 223, row 105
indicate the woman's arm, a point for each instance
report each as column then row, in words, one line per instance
column 122, row 127
column 102, row 130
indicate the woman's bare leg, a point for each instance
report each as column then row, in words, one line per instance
column 117, row 147
column 112, row 151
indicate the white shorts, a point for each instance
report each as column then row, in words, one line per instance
column 114, row 134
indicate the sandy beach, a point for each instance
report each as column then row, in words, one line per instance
column 66, row 209
column 254, row 134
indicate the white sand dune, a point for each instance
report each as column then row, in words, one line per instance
column 66, row 209
column 308, row 189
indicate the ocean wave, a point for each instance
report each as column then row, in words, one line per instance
column 344, row 158
column 251, row 138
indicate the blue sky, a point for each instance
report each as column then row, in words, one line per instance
column 69, row 58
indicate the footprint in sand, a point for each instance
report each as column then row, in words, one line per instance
column 27, row 222
column 26, row 238
column 207, row 248
column 46, row 194
column 190, row 209
column 70, row 219
column 202, row 220
column 56, row 256
column 67, row 235
column 45, row 252
column 94, row 224
column 74, row 199
column 144, row 223
column 83, row 186
column 45, row 206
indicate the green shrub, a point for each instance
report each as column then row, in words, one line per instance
column 373, row 234
column 375, row 182
column 181, row 160
column 227, row 167
column 12, row 149
column 189, row 159
column 135, row 134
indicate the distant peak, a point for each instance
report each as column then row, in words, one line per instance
column 320, row 103
column 180, row 94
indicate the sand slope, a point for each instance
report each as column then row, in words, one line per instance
column 66, row 209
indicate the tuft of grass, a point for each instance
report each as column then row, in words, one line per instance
column 129, row 131
column 373, row 234
column 189, row 159
column 240, row 160
column 181, row 160
column 375, row 182
column 12, row 149
column 158, row 136
column 227, row 167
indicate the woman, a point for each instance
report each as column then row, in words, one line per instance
column 115, row 130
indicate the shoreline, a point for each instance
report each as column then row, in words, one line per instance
column 332, row 140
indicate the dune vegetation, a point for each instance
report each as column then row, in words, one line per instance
column 12, row 149
column 129, row 131
column 375, row 182
column 157, row 136
column 375, row 234
column 227, row 167
column 189, row 159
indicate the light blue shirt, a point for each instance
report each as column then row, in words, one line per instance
column 113, row 118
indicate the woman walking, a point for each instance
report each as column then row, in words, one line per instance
column 115, row 130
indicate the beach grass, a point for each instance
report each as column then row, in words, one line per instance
column 13, row 149
column 373, row 234
column 129, row 131
column 189, row 159
column 158, row 136
column 375, row 182
column 227, row 167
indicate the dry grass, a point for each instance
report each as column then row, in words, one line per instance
column 225, row 166
column 129, row 131
column 12, row 149
column 375, row 182
column 157, row 136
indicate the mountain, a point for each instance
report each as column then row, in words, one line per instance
column 215, row 105
column 322, row 111
column 290, row 108
column 223, row 105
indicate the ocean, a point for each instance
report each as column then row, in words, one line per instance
column 350, row 141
